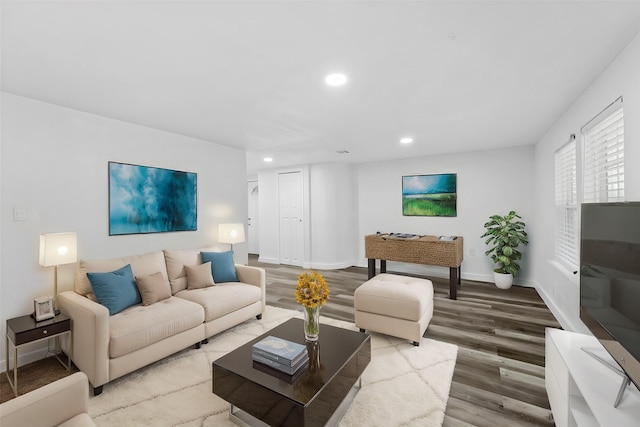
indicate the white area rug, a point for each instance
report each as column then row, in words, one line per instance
column 403, row 385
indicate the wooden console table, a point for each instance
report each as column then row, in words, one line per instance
column 429, row 250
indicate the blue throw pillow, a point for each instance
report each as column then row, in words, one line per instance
column 115, row 290
column 222, row 266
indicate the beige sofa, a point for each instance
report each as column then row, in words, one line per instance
column 107, row 347
column 62, row 403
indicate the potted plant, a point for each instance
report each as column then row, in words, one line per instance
column 504, row 234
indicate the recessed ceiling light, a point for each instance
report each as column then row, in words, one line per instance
column 407, row 140
column 268, row 159
column 335, row 79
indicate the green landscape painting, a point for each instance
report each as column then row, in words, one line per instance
column 429, row 195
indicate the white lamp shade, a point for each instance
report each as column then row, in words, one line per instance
column 231, row 233
column 58, row 249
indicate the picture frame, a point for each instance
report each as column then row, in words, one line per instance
column 43, row 308
column 147, row 199
column 430, row 195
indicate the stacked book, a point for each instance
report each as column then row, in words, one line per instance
column 281, row 355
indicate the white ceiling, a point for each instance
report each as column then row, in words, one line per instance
column 457, row 76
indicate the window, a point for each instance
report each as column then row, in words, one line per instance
column 566, row 204
column 604, row 156
column 601, row 160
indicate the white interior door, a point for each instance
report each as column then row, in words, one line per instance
column 253, row 223
column 290, row 199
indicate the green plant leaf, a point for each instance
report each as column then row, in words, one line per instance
column 503, row 235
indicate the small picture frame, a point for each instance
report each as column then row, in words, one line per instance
column 43, row 308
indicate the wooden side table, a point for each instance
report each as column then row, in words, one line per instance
column 25, row 330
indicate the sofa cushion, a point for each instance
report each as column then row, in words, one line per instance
column 153, row 288
column 223, row 298
column 141, row 265
column 116, row 290
column 176, row 259
column 199, row 276
column 222, row 266
column 139, row 326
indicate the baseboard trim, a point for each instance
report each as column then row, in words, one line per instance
column 558, row 314
column 25, row 358
column 443, row 273
column 334, row 266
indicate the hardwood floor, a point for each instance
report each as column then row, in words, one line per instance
column 499, row 375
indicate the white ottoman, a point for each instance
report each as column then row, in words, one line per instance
column 395, row 305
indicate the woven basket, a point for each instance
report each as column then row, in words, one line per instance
column 421, row 250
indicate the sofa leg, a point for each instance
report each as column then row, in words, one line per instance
column 362, row 330
column 97, row 390
column 416, row 343
column 198, row 344
column 259, row 317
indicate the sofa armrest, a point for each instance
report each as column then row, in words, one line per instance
column 253, row 276
column 48, row 406
column 90, row 335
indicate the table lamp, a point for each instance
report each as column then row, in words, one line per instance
column 231, row 233
column 57, row 249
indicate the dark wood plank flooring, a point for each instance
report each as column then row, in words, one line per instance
column 499, row 375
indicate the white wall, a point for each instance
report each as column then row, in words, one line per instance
column 54, row 165
column 488, row 182
column 268, row 202
column 349, row 202
column 334, row 216
column 558, row 286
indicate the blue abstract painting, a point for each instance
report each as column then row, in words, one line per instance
column 429, row 195
column 145, row 199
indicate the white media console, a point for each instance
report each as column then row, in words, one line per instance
column 581, row 389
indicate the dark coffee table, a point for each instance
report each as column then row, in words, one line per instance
column 318, row 396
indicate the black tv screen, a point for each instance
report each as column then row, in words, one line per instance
column 610, row 280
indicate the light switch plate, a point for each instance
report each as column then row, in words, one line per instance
column 19, row 215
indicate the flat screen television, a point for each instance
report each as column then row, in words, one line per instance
column 610, row 280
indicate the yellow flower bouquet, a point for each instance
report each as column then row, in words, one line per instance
column 312, row 292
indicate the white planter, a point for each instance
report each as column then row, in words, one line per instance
column 503, row 281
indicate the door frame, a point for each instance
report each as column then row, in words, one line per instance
column 257, row 237
column 306, row 212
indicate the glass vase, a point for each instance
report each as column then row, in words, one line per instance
column 311, row 323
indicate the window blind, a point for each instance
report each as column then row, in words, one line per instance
column 566, row 230
column 604, row 156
